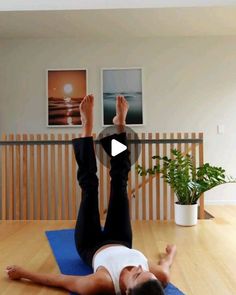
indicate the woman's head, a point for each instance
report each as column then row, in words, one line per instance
column 151, row 287
column 143, row 282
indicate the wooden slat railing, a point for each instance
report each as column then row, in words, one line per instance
column 38, row 176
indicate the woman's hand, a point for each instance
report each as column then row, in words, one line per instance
column 14, row 272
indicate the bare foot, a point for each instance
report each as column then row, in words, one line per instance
column 86, row 112
column 14, row 272
column 122, row 107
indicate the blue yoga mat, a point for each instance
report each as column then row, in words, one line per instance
column 69, row 262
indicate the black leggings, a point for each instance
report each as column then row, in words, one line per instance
column 89, row 236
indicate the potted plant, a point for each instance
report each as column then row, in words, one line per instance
column 187, row 181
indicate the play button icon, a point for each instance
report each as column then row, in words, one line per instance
column 117, row 147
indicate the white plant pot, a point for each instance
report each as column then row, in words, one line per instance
column 186, row 215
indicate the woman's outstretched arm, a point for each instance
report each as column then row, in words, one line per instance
column 162, row 269
column 84, row 285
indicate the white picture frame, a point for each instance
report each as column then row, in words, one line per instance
column 114, row 82
column 66, row 111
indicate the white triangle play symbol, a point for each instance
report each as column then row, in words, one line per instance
column 117, row 147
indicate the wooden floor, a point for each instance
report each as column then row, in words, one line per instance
column 205, row 263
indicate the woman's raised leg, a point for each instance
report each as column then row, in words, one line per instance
column 88, row 228
column 117, row 226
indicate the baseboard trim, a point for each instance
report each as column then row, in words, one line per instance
column 220, row 202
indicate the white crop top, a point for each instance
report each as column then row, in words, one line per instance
column 115, row 259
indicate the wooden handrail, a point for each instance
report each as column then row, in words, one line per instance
column 38, row 176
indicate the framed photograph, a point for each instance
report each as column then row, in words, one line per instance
column 65, row 90
column 127, row 82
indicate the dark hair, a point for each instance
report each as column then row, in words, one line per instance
column 151, row 287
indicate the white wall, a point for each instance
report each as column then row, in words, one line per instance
column 189, row 85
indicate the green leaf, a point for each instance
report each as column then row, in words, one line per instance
column 187, row 181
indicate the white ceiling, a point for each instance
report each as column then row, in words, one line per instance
column 21, row 5
column 119, row 23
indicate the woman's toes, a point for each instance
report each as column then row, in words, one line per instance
column 81, row 105
column 91, row 98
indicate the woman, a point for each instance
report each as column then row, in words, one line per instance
column 118, row 269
